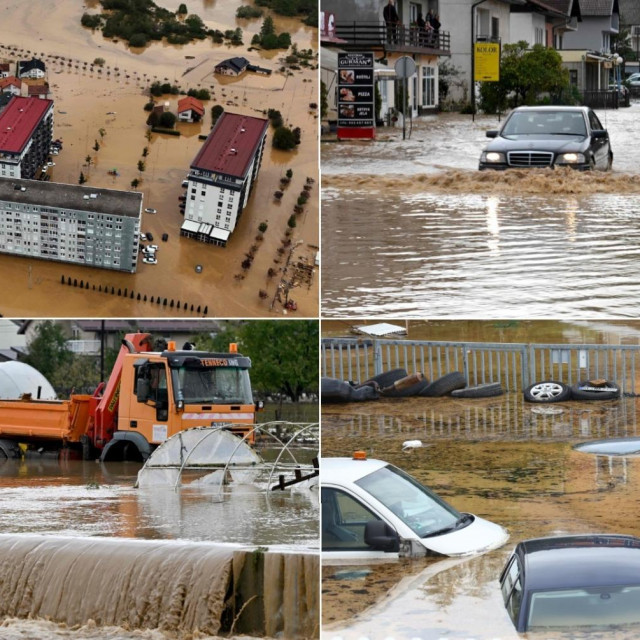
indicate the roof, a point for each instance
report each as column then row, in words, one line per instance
column 71, row 196
column 543, row 7
column 566, row 7
column 598, row 7
column 4, row 66
column 27, row 65
column 190, row 103
column 347, row 469
column 10, row 80
column 38, row 89
column 586, row 560
column 237, row 63
column 19, row 120
column 231, row 145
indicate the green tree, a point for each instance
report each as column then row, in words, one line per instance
column 99, row 62
column 141, row 166
column 167, row 120
column 48, row 350
column 216, row 112
column 96, row 146
column 134, row 183
column 102, row 132
column 284, row 138
column 81, row 179
column 267, row 28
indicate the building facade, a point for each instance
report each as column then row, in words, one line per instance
column 221, row 177
column 33, row 68
column 26, row 131
column 69, row 223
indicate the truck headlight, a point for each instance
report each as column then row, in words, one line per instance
column 492, row 157
column 570, row 158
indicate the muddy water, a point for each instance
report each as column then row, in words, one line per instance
column 502, row 459
column 415, row 229
column 83, row 100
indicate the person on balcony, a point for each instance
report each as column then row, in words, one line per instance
column 391, row 20
column 425, row 31
column 435, row 25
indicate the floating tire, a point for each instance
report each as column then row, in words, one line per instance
column 387, row 378
column 547, row 391
column 488, row 390
column 586, row 390
column 445, row 385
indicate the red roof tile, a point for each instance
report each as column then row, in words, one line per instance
column 19, row 120
column 190, row 103
column 231, row 145
column 5, row 82
column 38, row 89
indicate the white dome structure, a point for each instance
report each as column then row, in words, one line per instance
column 17, row 378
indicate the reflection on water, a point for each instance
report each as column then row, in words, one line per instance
column 502, row 459
column 480, row 256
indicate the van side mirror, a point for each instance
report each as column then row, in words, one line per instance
column 598, row 133
column 142, row 390
column 380, row 536
column 492, row 134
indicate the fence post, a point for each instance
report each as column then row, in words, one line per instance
column 377, row 358
column 524, row 367
column 465, row 363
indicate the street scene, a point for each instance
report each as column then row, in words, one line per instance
column 158, row 479
column 120, row 119
column 412, row 227
column 544, row 450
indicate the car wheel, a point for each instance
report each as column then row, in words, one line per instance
column 609, row 162
column 587, row 390
column 547, row 391
column 445, row 385
column 488, row 390
column 592, row 164
column 387, row 378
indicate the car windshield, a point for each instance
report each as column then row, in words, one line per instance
column 545, row 123
column 420, row 509
column 219, row 385
column 591, row 607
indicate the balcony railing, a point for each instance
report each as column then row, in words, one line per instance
column 84, row 347
column 362, row 35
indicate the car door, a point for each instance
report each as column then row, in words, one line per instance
column 511, row 587
column 600, row 146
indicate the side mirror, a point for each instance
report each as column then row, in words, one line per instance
column 142, row 390
column 380, row 536
column 598, row 133
column 493, row 133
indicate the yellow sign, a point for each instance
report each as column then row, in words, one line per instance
column 487, row 62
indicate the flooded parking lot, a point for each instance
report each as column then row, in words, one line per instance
column 413, row 228
column 501, row 459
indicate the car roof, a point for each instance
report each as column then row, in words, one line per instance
column 552, row 109
column 348, row 470
column 580, row 561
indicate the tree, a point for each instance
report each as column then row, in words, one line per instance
column 141, row 166
column 48, row 350
column 102, row 132
column 145, row 152
column 134, row 183
column 99, row 62
column 88, row 161
column 289, row 173
column 284, row 138
column 216, row 112
column 96, row 146
column 291, row 222
column 167, row 120
column 182, row 9
column 267, row 28
column 81, row 179
column 138, row 40
column 262, row 227
column 324, row 102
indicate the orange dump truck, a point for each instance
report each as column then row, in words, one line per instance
column 150, row 396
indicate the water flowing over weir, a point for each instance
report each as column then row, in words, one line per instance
column 173, row 586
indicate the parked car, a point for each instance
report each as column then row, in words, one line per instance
column 143, row 236
column 535, row 137
column 149, row 236
column 583, row 582
column 633, row 80
column 149, row 260
column 150, row 210
column 373, row 510
column 165, row 237
column 153, row 247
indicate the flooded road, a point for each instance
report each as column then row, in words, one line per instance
column 88, row 100
column 501, row 459
column 413, row 228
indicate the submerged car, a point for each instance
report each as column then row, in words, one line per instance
column 538, row 137
column 580, row 582
column 373, row 510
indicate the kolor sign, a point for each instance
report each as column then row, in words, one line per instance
column 356, row 96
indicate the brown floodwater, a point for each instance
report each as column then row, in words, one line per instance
column 84, row 99
column 499, row 458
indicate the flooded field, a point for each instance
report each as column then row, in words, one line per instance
column 416, row 230
column 88, row 100
column 501, row 459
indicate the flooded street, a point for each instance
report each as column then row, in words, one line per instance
column 502, row 459
column 88, row 99
column 413, row 228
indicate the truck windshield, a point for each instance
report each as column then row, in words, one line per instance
column 418, row 507
column 219, row 385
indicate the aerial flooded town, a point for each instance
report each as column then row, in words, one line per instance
column 110, row 119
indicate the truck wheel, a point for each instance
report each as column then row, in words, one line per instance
column 9, row 450
column 445, row 385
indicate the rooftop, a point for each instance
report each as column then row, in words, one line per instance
column 68, row 196
column 10, row 80
column 231, row 145
column 19, row 120
column 190, row 103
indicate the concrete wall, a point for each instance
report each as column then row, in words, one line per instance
column 588, row 35
column 523, row 27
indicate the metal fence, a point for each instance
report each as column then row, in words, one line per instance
column 514, row 365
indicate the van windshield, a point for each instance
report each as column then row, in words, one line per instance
column 214, row 385
column 418, row 507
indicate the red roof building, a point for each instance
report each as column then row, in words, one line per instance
column 190, row 104
column 39, row 90
column 10, row 81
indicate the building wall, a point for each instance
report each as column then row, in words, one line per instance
column 68, row 235
column 588, row 35
column 525, row 26
column 33, row 73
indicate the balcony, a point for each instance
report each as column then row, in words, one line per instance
column 84, row 347
column 361, row 36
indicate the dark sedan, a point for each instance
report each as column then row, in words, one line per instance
column 586, row 582
column 549, row 137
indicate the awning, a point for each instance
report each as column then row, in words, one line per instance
column 190, row 225
column 220, row 234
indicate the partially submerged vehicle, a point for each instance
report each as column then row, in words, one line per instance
column 372, row 509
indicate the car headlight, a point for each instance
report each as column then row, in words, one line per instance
column 570, row 158
column 492, row 157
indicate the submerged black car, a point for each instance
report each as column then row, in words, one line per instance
column 581, row 582
column 549, row 137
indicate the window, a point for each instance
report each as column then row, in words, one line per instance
column 495, row 28
column 428, row 87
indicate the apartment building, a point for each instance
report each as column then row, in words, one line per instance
column 221, row 177
column 26, row 131
column 70, row 223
